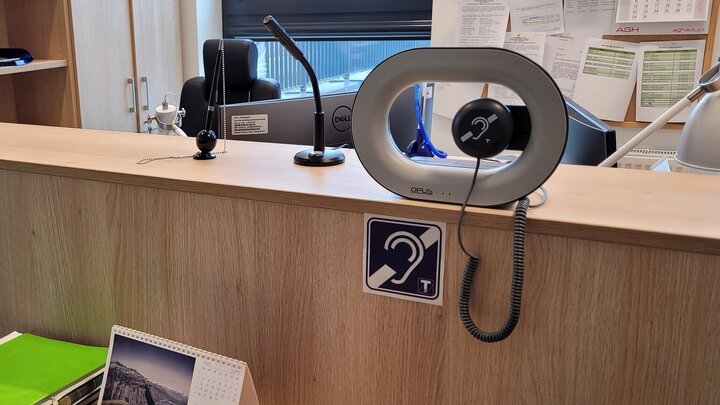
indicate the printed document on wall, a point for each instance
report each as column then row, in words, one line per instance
column 530, row 44
column 595, row 15
column 482, row 23
column 537, row 16
column 562, row 57
column 449, row 97
column 475, row 23
column 606, row 79
column 667, row 72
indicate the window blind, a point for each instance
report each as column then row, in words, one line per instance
column 322, row 19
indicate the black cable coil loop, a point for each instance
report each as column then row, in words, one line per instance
column 471, row 267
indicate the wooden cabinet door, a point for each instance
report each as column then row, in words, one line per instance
column 157, row 53
column 104, row 58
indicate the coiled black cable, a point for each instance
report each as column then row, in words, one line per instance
column 471, row 267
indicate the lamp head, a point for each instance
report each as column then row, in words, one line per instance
column 710, row 80
column 699, row 146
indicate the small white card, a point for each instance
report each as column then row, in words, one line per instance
column 252, row 124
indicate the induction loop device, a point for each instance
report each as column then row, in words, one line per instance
column 484, row 126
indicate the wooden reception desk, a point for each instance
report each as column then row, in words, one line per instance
column 255, row 258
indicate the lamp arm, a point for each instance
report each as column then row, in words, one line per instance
column 654, row 126
column 178, row 131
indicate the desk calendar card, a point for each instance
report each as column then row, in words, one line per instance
column 143, row 369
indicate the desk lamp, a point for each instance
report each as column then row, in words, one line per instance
column 698, row 147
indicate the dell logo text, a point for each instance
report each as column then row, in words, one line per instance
column 342, row 118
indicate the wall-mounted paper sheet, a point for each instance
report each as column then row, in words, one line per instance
column 595, row 15
column 474, row 23
column 563, row 54
column 530, row 44
column 667, row 72
column 606, row 79
column 537, row 16
column 482, row 22
column 449, row 97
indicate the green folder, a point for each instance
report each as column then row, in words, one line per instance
column 33, row 368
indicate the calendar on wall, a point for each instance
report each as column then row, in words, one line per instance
column 144, row 369
column 662, row 17
column 639, row 11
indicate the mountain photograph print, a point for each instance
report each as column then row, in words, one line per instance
column 143, row 374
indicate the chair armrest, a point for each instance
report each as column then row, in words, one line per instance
column 265, row 89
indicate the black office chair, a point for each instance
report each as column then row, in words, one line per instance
column 242, row 84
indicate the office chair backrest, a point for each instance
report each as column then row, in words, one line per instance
column 240, row 67
column 242, row 85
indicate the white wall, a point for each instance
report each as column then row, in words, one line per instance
column 188, row 37
column 200, row 20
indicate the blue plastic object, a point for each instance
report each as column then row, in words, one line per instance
column 422, row 146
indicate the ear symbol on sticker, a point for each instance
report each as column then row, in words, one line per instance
column 417, row 251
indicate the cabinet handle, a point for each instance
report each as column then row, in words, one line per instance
column 133, row 106
column 144, row 80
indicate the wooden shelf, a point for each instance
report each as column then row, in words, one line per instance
column 48, row 94
column 38, row 64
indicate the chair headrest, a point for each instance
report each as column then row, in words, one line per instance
column 240, row 63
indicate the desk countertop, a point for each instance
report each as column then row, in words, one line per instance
column 665, row 210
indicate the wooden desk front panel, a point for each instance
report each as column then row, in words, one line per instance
column 280, row 286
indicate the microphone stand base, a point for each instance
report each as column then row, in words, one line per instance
column 309, row 157
column 204, row 156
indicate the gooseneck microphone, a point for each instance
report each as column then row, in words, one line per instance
column 318, row 155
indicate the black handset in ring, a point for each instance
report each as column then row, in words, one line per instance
column 483, row 128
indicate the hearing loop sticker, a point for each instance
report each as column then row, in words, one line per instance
column 403, row 258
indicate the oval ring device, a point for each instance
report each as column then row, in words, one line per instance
column 393, row 170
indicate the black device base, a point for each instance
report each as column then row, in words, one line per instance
column 309, row 157
column 204, row 156
column 205, row 141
